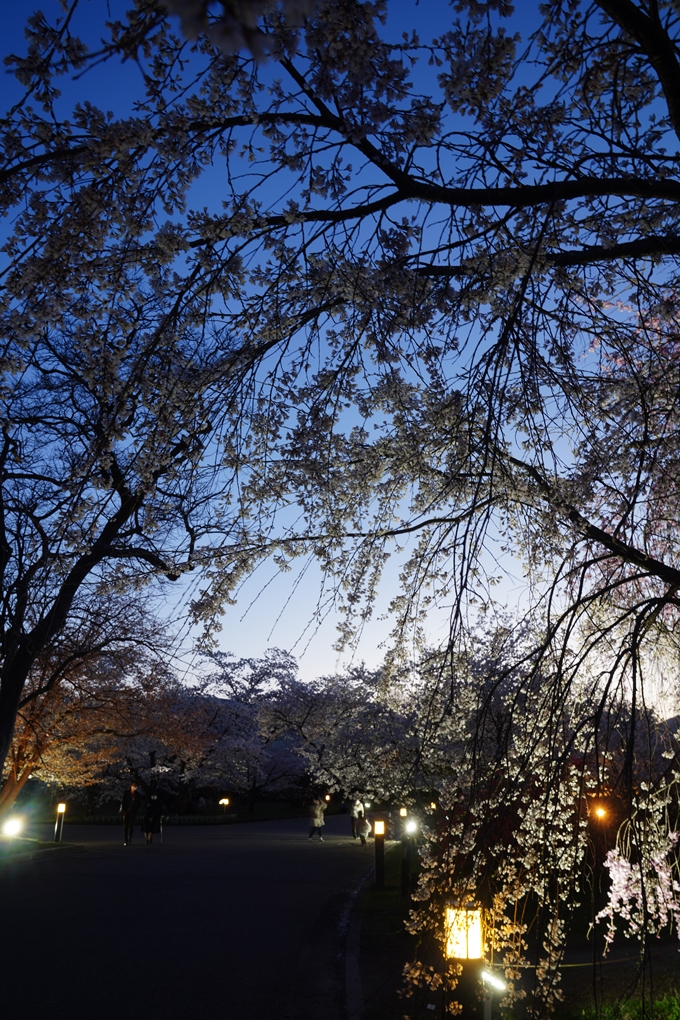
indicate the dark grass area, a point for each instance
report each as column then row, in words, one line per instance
column 386, row 948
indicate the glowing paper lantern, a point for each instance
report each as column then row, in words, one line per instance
column 463, row 928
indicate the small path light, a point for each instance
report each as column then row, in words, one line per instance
column 379, row 834
column 492, row 983
column 59, row 824
column 410, row 828
column 12, row 826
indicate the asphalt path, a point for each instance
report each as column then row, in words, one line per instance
column 234, row 921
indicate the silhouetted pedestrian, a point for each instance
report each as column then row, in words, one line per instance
column 151, row 819
column 129, row 808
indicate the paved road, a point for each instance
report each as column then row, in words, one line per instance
column 220, row 922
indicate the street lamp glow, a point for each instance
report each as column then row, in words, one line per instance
column 327, row 797
column 12, row 827
column 600, row 812
column 463, row 929
column 378, row 827
column 224, row 802
column 493, row 982
column 61, row 808
column 403, row 812
column 411, row 826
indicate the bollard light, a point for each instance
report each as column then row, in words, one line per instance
column 59, row 824
column 379, row 835
column 12, row 827
column 410, row 827
column 463, row 930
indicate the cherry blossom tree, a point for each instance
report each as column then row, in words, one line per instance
column 101, row 682
column 431, row 303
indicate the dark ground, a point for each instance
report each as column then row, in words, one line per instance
column 218, row 922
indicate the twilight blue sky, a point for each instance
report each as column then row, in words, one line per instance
column 273, row 609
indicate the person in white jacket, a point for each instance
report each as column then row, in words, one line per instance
column 356, row 810
column 316, row 818
column 363, row 829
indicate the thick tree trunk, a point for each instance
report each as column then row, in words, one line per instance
column 12, row 680
column 13, row 787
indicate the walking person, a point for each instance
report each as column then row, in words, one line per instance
column 129, row 808
column 151, row 819
column 316, row 813
column 355, row 811
column 363, row 829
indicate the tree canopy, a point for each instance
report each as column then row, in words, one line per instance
column 377, row 290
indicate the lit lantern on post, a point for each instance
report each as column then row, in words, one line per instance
column 224, row 804
column 463, row 928
column 403, row 812
column 379, row 835
column 59, row 824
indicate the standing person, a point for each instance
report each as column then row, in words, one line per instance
column 151, row 819
column 356, row 810
column 316, row 818
column 363, row 829
column 129, row 809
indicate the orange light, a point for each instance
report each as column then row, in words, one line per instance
column 328, row 796
column 224, row 802
column 379, row 828
column 61, row 808
column 463, row 928
column 600, row 812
